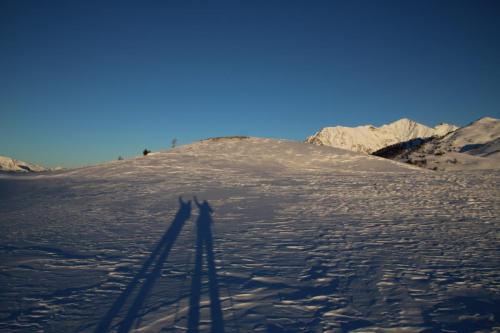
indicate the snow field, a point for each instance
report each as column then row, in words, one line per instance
column 305, row 238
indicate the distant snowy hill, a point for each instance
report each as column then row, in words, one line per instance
column 470, row 137
column 368, row 138
column 475, row 146
column 10, row 164
column 251, row 155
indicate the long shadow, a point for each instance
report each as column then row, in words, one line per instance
column 161, row 251
column 204, row 239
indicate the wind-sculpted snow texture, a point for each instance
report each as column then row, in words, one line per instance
column 292, row 238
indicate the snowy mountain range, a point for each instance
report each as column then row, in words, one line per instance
column 10, row 164
column 368, row 138
column 444, row 147
column 475, row 146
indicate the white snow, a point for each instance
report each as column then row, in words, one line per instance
column 443, row 129
column 369, row 138
column 302, row 238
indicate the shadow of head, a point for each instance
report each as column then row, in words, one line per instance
column 204, row 207
column 185, row 207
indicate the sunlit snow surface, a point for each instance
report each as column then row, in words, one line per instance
column 302, row 239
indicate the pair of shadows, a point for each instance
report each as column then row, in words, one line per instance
column 160, row 254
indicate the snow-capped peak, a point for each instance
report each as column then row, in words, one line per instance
column 369, row 138
column 10, row 164
column 472, row 147
column 443, row 129
column 485, row 120
column 402, row 122
column 480, row 131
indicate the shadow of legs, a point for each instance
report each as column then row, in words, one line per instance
column 162, row 250
column 215, row 307
column 194, row 300
column 204, row 239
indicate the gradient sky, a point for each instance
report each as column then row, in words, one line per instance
column 86, row 81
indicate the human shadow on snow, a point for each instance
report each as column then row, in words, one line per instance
column 204, row 241
column 151, row 271
column 160, row 254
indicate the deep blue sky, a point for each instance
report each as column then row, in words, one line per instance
column 85, row 81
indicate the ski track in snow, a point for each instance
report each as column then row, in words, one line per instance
column 309, row 249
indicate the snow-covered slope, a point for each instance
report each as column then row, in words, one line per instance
column 253, row 155
column 475, row 146
column 293, row 238
column 480, row 132
column 10, row 164
column 368, row 138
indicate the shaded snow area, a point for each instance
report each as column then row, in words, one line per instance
column 284, row 237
